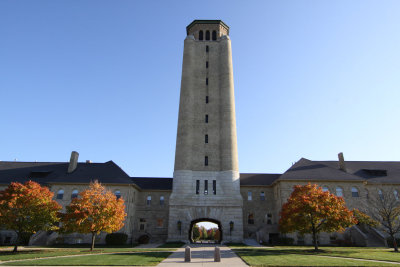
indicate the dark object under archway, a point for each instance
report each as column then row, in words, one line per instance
column 205, row 220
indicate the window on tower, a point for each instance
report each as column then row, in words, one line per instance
column 206, row 161
column 206, row 99
column 207, row 35
column 214, row 187
column 201, row 35
column 206, row 81
column 206, row 138
column 206, row 64
column 207, row 48
column 206, row 118
column 197, row 187
column 214, row 35
column 205, row 187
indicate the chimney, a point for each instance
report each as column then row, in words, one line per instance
column 73, row 162
column 342, row 166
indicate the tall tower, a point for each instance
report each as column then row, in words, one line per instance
column 206, row 176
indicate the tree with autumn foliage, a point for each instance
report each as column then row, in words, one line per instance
column 96, row 210
column 28, row 208
column 310, row 210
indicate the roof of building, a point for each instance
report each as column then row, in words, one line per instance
column 370, row 171
column 56, row 172
column 150, row 183
column 205, row 21
column 258, row 179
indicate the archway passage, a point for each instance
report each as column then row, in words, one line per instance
column 205, row 230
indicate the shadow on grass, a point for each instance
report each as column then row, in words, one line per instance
column 264, row 251
column 83, row 245
column 172, row 245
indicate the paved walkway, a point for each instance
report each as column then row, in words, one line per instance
column 203, row 255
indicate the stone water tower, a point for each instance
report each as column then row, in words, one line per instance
column 206, row 182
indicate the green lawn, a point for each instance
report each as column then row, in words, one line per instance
column 278, row 259
column 140, row 258
column 281, row 255
column 46, row 252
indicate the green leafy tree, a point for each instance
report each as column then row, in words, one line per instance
column 204, row 231
column 28, row 208
column 196, row 232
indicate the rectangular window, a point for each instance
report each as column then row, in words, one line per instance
column 249, row 195
column 205, row 161
column 206, row 81
column 197, row 187
column 262, row 196
column 160, row 223
column 206, row 99
column 269, row 218
column 214, row 187
column 207, row 49
column 205, row 187
column 142, row 224
column 206, row 139
column 250, row 219
column 206, row 64
column 206, row 118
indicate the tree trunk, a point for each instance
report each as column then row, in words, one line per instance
column 315, row 240
column 93, row 237
column 396, row 249
column 16, row 243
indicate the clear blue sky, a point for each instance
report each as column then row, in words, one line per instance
column 312, row 78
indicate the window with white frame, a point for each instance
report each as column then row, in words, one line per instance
column 354, row 192
column 339, row 191
column 249, row 195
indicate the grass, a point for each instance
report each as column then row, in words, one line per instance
column 136, row 259
column 304, row 255
column 46, row 252
column 277, row 259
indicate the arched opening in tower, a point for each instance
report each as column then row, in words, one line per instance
column 205, row 231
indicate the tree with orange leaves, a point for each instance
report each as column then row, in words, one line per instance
column 28, row 208
column 309, row 210
column 95, row 210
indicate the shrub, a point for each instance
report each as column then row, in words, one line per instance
column 287, row 241
column 116, row 239
column 342, row 243
column 144, row 239
column 24, row 238
column 390, row 241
